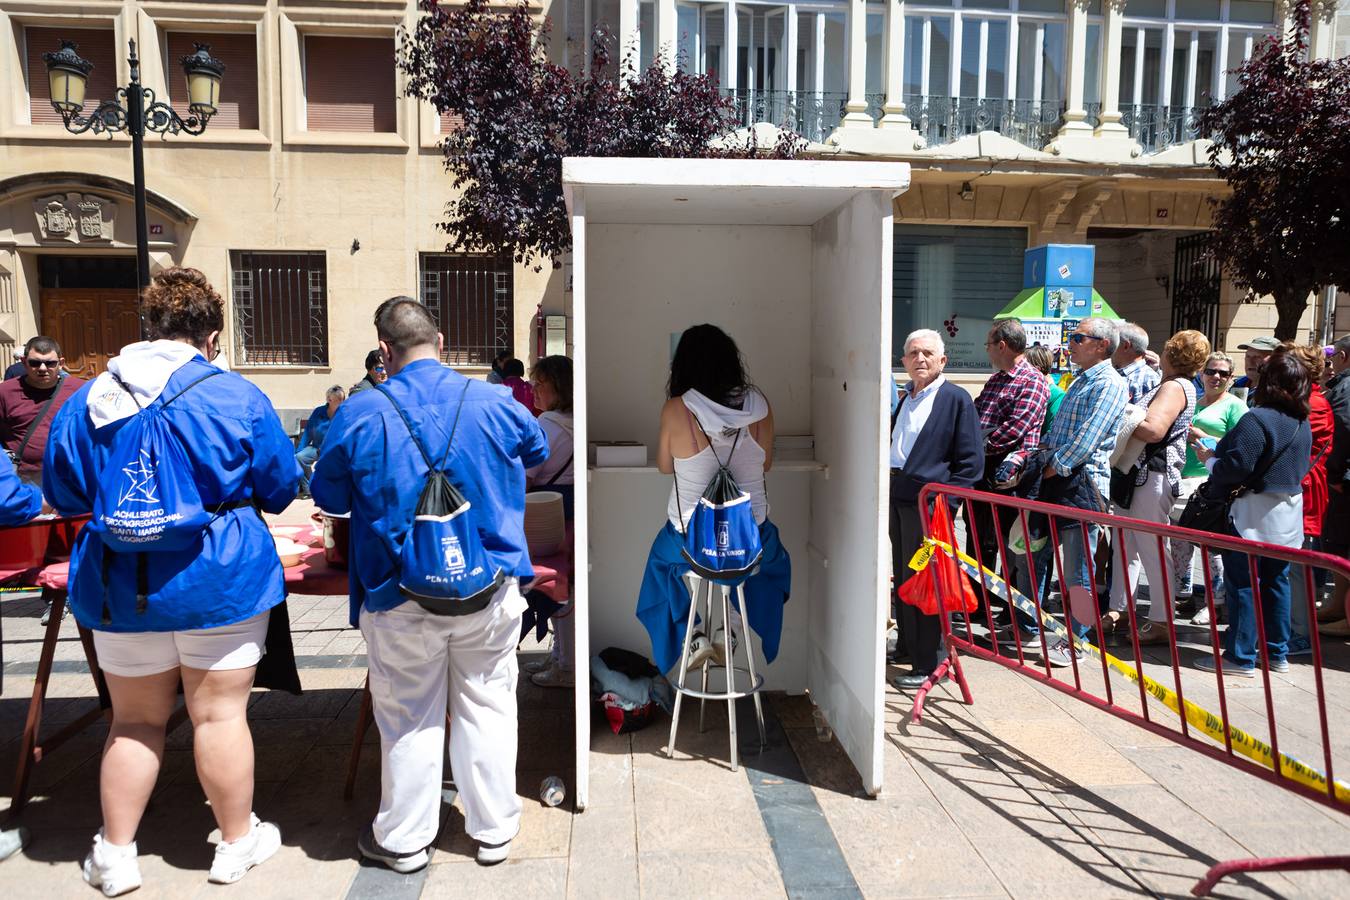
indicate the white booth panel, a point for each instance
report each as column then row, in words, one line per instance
column 848, row 527
column 792, row 259
column 646, row 283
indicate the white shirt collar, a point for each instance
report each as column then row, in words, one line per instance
column 932, row 386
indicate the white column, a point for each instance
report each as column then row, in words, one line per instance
column 1192, row 53
column 1076, row 68
column 1322, row 28
column 1111, row 43
column 667, row 32
column 894, row 112
column 818, row 54
column 790, row 49
column 855, row 111
column 1169, row 48
column 729, row 48
column 954, row 70
column 1221, row 67
column 629, row 56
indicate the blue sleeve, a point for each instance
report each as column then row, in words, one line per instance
column 307, row 434
column 331, row 483
column 1237, row 456
column 967, row 444
column 65, row 470
column 19, row 502
column 895, row 392
column 273, row 470
column 1101, row 422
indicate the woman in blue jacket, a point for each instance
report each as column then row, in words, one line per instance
column 199, row 614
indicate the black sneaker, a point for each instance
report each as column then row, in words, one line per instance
column 403, row 863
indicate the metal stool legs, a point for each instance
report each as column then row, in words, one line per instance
column 702, row 593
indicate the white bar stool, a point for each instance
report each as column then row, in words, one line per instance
column 702, row 589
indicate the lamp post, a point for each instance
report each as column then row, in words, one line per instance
column 134, row 110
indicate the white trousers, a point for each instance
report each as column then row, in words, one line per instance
column 415, row 658
column 1152, row 502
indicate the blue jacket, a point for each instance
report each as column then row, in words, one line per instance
column 316, row 429
column 370, row 468
column 239, row 452
column 663, row 602
column 19, row 502
column 949, row 450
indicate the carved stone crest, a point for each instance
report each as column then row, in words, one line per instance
column 75, row 217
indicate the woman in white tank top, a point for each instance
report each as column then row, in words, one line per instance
column 713, row 414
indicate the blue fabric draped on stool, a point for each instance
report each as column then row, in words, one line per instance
column 663, row 602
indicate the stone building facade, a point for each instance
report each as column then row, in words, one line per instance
column 316, row 192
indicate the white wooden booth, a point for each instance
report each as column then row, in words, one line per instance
column 793, row 260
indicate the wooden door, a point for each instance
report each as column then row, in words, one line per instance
column 91, row 325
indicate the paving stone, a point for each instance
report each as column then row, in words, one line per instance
column 511, row 880
column 710, row 872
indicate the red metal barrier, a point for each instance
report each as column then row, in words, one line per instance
column 1213, row 734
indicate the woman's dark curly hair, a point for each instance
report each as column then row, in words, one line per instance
column 1284, row 385
column 180, row 304
column 707, row 360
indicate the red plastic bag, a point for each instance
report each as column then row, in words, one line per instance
column 957, row 593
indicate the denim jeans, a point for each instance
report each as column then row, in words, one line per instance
column 306, row 458
column 1240, row 642
column 1078, row 570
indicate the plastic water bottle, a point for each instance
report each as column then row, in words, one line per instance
column 552, row 791
column 824, row 733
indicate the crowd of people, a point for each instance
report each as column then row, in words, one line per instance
column 1136, row 434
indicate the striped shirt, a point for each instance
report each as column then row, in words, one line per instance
column 1139, row 380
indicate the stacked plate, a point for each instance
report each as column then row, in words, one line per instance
column 545, row 525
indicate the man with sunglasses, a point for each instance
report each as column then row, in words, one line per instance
column 375, row 374
column 28, row 405
column 1076, row 455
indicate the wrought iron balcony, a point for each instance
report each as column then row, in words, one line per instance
column 941, row 120
column 1159, row 127
column 812, row 115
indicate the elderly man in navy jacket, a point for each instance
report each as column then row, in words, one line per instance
column 935, row 437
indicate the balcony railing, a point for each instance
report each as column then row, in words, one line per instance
column 812, row 115
column 942, row 120
column 1159, row 127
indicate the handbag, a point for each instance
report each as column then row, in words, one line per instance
column 1204, row 512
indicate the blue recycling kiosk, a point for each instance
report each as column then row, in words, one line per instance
column 1056, row 293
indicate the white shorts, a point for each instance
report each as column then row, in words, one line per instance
column 137, row 654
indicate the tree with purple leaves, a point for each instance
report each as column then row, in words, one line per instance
column 1280, row 143
column 518, row 115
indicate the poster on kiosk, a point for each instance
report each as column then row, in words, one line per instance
column 793, row 260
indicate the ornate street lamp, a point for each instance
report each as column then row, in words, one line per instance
column 134, row 110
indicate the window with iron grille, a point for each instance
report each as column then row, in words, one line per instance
column 280, row 309
column 471, row 298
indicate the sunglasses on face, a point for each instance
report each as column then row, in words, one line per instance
column 1217, row 372
column 1078, row 338
column 43, row 363
column 379, row 368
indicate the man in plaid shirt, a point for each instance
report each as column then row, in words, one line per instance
column 1011, row 409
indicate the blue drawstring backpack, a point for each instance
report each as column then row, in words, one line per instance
column 147, row 500
column 444, row 566
column 721, row 541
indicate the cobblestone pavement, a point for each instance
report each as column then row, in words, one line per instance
column 1026, row 793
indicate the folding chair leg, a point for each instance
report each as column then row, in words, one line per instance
column 29, row 752
column 363, row 720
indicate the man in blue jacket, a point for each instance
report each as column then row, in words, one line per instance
column 935, row 437
column 369, row 468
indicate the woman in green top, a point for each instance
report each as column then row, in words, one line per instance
column 1215, row 413
column 1040, row 357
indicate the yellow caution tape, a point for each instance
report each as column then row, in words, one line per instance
column 1199, row 717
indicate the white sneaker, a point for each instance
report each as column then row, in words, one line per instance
column 700, row 650
column 1059, row 654
column 491, row 854
column 237, row 857
column 112, row 868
